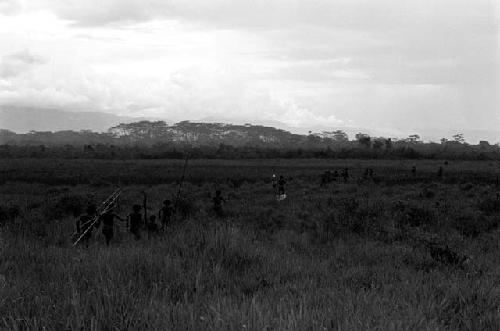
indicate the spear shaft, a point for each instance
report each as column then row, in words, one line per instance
column 105, row 206
column 177, row 198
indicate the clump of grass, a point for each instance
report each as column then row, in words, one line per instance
column 472, row 224
column 489, row 206
column 9, row 212
column 67, row 205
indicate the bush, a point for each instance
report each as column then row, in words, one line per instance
column 472, row 224
column 488, row 206
column 9, row 213
column 69, row 205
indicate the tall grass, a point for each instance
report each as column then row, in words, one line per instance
column 333, row 258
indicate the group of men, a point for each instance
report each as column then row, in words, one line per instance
column 331, row 176
column 135, row 222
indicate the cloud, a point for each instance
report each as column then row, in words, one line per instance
column 393, row 63
column 97, row 13
column 10, row 7
column 16, row 64
column 190, row 93
column 296, row 116
column 279, row 14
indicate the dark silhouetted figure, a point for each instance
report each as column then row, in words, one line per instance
column 335, row 175
column 152, row 226
column 326, row 178
column 440, row 172
column 443, row 254
column 369, row 173
column 274, row 181
column 345, row 174
column 108, row 223
column 414, row 171
column 165, row 214
column 218, row 201
column 135, row 221
column 281, row 185
column 84, row 224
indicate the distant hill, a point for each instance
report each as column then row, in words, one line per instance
column 23, row 119
column 157, row 139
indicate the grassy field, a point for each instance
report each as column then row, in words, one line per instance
column 352, row 255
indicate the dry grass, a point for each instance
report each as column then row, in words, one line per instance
column 342, row 257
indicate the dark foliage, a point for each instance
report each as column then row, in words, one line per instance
column 157, row 140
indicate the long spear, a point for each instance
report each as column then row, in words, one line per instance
column 145, row 206
column 177, row 198
column 105, row 206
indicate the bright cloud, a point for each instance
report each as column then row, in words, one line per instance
column 391, row 63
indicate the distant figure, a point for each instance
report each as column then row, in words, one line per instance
column 274, row 181
column 218, row 201
column 326, row 178
column 345, row 174
column 440, row 172
column 281, row 194
column 335, row 175
column 368, row 173
column 152, row 226
column 135, row 221
column 165, row 214
column 107, row 220
column 84, row 224
column 281, row 185
column 414, row 171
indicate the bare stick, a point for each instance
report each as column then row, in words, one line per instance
column 145, row 206
column 180, row 183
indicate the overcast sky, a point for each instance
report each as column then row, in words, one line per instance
column 384, row 64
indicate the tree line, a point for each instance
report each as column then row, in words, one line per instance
column 157, row 140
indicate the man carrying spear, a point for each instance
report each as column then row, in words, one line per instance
column 85, row 223
column 108, row 218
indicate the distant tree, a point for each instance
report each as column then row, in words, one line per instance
column 333, row 136
column 414, row 138
column 388, row 143
column 140, row 130
column 378, row 144
column 363, row 139
column 459, row 138
column 339, row 136
column 88, row 148
column 484, row 144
